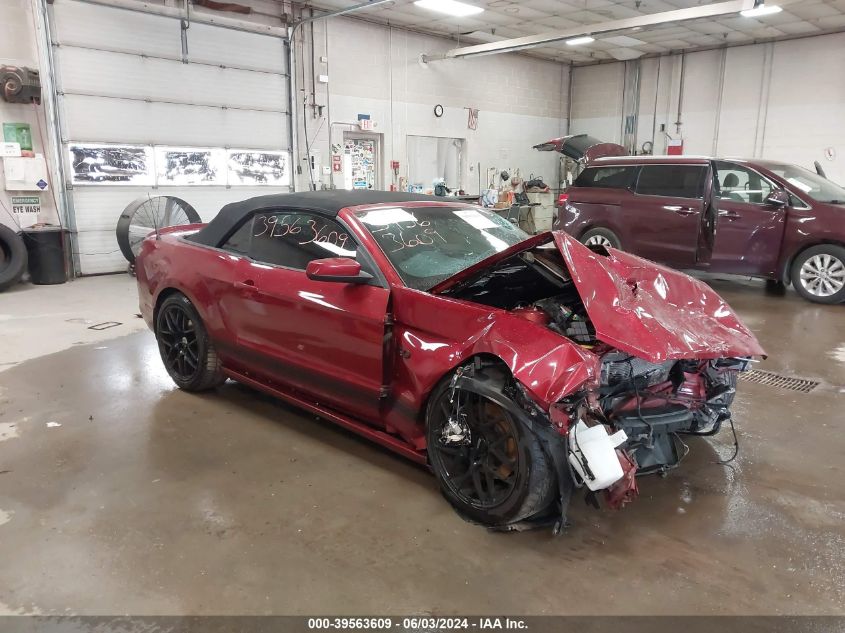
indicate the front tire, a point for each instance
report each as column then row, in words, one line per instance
column 818, row 274
column 490, row 467
column 186, row 350
column 601, row 237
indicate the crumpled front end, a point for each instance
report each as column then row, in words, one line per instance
column 648, row 409
column 665, row 352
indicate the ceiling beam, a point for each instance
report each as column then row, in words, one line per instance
column 641, row 21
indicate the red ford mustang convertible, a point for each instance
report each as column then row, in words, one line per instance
column 519, row 368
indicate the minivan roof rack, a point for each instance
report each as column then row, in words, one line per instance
column 613, row 159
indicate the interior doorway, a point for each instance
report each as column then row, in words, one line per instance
column 361, row 160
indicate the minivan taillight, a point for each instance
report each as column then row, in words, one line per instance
column 562, row 198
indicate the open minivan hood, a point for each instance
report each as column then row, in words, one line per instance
column 639, row 307
column 581, row 147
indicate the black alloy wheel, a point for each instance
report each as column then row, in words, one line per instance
column 177, row 337
column 184, row 345
column 489, row 465
column 478, row 456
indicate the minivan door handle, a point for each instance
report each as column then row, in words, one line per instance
column 681, row 210
column 729, row 215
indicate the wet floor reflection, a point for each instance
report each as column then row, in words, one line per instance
column 149, row 500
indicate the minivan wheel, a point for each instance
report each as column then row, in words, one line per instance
column 601, row 237
column 818, row 274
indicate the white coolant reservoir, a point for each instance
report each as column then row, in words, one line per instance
column 592, row 453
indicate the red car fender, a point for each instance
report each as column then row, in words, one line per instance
column 160, row 268
column 433, row 335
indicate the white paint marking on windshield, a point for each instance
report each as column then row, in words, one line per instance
column 384, row 217
column 475, row 219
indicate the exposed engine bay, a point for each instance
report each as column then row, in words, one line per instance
column 633, row 419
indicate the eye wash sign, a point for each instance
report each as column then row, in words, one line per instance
column 26, row 209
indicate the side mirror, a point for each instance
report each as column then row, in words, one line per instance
column 778, row 198
column 338, row 269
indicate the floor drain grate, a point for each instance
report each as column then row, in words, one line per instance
column 776, row 380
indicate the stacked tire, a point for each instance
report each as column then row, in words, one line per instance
column 12, row 257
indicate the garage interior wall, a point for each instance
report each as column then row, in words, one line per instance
column 740, row 101
column 18, row 48
column 375, row 70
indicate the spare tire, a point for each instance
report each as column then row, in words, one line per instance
column 12, row 257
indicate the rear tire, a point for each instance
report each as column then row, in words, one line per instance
column 601, row 237
column 186, row 350
column 499, row 473
column 818, row 274
column 12, row 257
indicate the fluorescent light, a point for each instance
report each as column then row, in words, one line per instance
column 577, row 41
column 451, row 7
column 761, row 9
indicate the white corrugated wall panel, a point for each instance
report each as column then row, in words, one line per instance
column 91, row 72
column 123, row 81
column 137, row 122
column 104, row 28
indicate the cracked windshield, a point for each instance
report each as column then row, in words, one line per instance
column 429, row 244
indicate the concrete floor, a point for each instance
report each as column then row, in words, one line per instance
column 121, row 494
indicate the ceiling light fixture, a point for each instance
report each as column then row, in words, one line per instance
column 450, row 7
column 577, row 41
column 761, row 9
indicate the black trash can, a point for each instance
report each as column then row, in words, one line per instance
column 45, row 247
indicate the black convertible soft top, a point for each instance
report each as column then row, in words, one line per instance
column 324, row 202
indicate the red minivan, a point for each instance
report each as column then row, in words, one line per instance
column 750, row 217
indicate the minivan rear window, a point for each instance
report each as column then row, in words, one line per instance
column 675, row 181
column 609, row 177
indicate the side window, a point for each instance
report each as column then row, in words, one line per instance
column 740, row 184
column 675, row 181
column 609, row 177
column 294, row 239
column 238, row 241
column 796, row 202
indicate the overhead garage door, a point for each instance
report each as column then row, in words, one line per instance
column 122, row 84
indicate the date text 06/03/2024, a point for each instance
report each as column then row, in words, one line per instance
column 417, row 623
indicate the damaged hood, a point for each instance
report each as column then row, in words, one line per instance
column 639, row 307
column 651, row 311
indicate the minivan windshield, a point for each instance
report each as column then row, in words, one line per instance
column 429, row 244
column 815, row 186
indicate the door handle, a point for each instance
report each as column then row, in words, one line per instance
column 247, row 285
column 729, row 215
column 681, row 210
